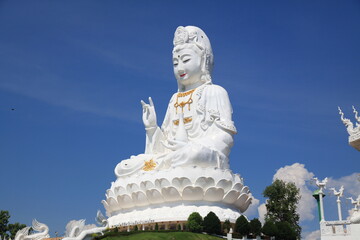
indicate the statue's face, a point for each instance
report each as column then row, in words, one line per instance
column 187, row 66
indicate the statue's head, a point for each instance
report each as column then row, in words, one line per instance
column 192, row 56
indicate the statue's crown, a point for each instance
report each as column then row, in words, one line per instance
column 191, row 34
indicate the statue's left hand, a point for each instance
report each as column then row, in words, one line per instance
column 149, row 114
column 174, row 144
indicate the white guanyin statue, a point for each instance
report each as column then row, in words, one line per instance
column 197, row 129
column 185, row 166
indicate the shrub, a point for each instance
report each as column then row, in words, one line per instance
column 226, row 226
column 212, row 224
column 194, row 222
column 269, row 229
column 242, row 226
column 255, row 227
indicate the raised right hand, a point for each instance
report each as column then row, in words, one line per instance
column 149, row 114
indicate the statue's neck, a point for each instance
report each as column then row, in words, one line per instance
column 185, row 88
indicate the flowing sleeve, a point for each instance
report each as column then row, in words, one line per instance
column 216, row 108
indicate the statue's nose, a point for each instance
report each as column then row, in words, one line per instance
column 181, row 71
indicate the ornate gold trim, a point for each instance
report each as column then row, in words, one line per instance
column 182, row 104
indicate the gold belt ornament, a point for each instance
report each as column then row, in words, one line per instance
column 186, row 120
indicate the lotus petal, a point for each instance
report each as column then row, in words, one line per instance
column 125, row 201
column 241, row 200
column 205, row 182
column 140, row 198
column 154, row 196
column 108, row 193
column 162, row 183
column 191, row 193
column 238, row 187
column 238, row 178
column 111, row 201
column 106, row 205
column 180, row 183
column 171, row 194
column 231, row 197
column 146, row 185
column 224, row 184
column 214, row 194
column 245, row 189
column 245, row 206
column 119, row 191
column 113, row 204
column 132, row 187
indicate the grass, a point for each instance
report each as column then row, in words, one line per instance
column 163, row 236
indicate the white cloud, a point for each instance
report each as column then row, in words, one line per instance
column 252, row 210
column 298, row 174
column 315, row 235
column 350, row 213
column 351, row 184
column 262, row 211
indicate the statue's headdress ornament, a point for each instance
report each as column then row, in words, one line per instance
column 191, row 34
column 196, row 36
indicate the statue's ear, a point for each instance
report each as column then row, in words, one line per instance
column 204, row 63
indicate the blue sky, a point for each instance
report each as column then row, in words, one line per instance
column 75, row 72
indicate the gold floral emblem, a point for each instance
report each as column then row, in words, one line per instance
column 149, row 165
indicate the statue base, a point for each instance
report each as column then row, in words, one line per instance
column 173, row 212
column 173, row 194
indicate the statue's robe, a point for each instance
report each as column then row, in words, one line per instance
column 209, row 127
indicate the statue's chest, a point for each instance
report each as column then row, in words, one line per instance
column 185, row 104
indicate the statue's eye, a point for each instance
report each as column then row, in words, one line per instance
column 175, row 64
column 186, row 60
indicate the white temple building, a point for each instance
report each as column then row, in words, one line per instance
column 353, row 131
column 349, row 228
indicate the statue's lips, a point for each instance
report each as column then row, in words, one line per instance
column 182, row 75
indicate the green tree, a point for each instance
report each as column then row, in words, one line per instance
column 226, row 226
column 282, row 204
column 136, row 228
column 255, row 227
column 194, row 222
column 269, row 229
column 4, row 220
column 242, row 226
column 156, row 227
column 14, row 228
column 212, row 224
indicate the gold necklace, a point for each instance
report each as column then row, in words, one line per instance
column 182, row 104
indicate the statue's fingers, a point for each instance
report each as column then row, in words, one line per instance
column 151, row 102
column 143, row 103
